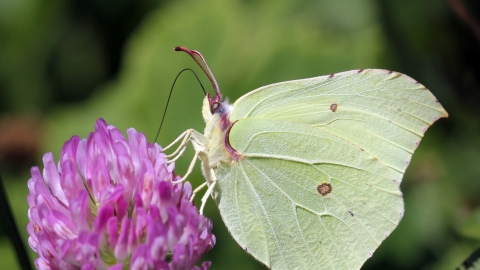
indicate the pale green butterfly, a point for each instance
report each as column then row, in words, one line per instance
column 306, row 173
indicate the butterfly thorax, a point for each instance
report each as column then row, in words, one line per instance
column 216, row 131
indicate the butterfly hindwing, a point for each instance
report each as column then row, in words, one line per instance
column 271, row 203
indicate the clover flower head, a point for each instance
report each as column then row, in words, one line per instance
column 110, row 204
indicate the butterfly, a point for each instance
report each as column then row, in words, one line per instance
column 306, row 173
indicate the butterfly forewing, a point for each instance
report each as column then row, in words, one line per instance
column 383, row 112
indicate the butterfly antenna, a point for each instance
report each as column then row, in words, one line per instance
column 197, row 56
column 170, row 94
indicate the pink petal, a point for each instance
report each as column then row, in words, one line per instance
column 52, row 178
column 104, row 214
column 122, row 244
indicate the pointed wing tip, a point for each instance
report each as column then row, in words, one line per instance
column 443, row 114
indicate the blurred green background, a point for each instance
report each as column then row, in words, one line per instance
column 65, row 63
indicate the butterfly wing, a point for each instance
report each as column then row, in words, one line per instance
column 318, row 184
column 271, row 203
column 383, row 112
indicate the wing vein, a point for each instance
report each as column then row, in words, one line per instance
column 265, row 213
column 363, row 226
column 238, row 210
column 331, row 238
column 304, row 88
column 369, row 195
column 308, row 162
column 301, row 232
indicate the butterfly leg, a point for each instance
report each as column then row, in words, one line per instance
column 197, row 190
column 209, row 174
column 211, row 180
column 205, row 196
column 190, row 168
column 179, row 154
column 198, row 142
column 186, row 139
column 209, row 190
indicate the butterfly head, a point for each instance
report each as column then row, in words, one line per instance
column 215, row 103
column 215, row 106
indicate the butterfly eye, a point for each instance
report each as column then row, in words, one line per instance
column 214, row 107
